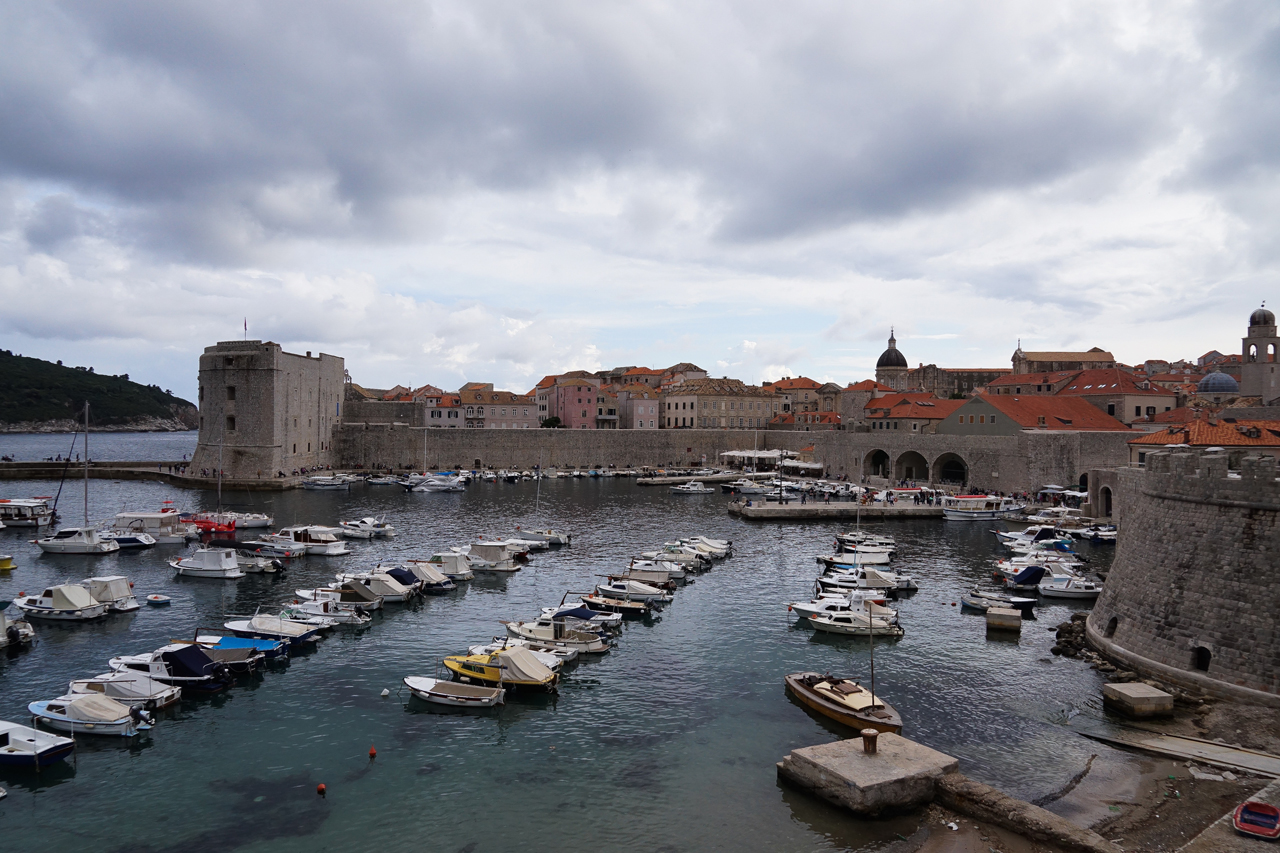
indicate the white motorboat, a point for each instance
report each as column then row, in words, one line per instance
column 77, row 540
column 551, row 537
column 443, row 483
column 674, row 571
column 431, row 581
column 25, row 512
column 63, row 603
column 367, row 528
column 863, row 557
column 264, row 626
column 584, row 614
column 129, row 540
column 384, row 481
column 217, row 563
column 326, row 609
column 454, row 694
column 14, row 632
column 1078, row 588
column 711, row 553
column 380, row 584
column 979, row 507
column 90, row 714
column 682, row 554
column 861, row 577
column 321, row 541
column 855, row 624
column 489, row 557
column 130, row 687
column 274, row 548
column 982, row 600
column 326, row 484
column 724, row 546
column 184, row 665
column 554, row 633
column 115, row 591
column 348, row 595
column 550, row 659
column 855, row 601
column 166, row 526
column 251, row 520
column 629, row 590
column 693, row 487
column 23, row 746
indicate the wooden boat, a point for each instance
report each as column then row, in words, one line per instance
column 453, row 694
column 617, row 605
column 1257, row 820
column 844, row 701
column 511, row 667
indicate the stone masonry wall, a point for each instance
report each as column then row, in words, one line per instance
column 1191, row 597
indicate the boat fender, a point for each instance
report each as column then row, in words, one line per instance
column 385, row 693
column 320, row 789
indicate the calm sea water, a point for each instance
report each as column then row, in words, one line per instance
column 667, row 743
column 105, row 447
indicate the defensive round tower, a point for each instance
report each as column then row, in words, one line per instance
column 264, row 410
column 1191, row 598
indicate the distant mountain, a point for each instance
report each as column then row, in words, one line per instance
column 39, row 396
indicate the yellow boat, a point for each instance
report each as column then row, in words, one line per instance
column 511, row 667
column 6, row 563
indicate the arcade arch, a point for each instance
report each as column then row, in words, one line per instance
column 911, row 466
column 876, row 464
column 950, row 469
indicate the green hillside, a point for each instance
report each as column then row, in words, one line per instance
column 36, row 390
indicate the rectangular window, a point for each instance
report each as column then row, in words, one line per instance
column 993, row 418
column 970, row 418
column 1111, row 409
column 982, row 419
column 1137, row 411
column 1142, row 458
column 231, row 392
column 231, row 423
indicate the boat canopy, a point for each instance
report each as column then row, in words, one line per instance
column 93, row 708
column 354, row 591
column 407, row 578
column 110, row 588
column 1029, row 575
column 276, row 625
column 519, row 664
column 576, row 613
column 70, row 597
column 188, row 661
column 491, row 551
column 426, row 572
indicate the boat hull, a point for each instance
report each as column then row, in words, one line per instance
column 454, row 694
column 815, row 702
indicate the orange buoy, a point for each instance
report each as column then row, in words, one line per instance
column 953, row 604
column 320, row 789
column 373, row 753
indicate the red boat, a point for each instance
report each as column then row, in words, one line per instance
column 1257, row 820
column 208, row 525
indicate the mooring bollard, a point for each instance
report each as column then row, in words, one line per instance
column 869, row 741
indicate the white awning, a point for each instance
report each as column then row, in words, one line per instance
column 758, row 454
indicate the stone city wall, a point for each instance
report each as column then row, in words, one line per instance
column 1004, row 463
column 1192, row 593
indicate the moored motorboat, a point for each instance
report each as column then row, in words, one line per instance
column 629, row 590
column 511, row 667
column 843, row 700
column 115, row 591
column 430, row 580
column 23, row 746
column 186, row 666
column 855, row 624
column 216, row 563
column 91, row 714
column 551, row 537
column 25, row 512
column 453, row 693
column 554, row 632
column 979, row 507
column 367, row 528
column 77, row 540
column 347, row 595
column 129, row 540
column 274, row 548
column 267, row 626
column 63, row 603
column 453, row 565
column 982, row 600
column 383, row 584
column 130, row 687
column 489, row 557
column 321, row 541
column 14, row 632
column 324, row 609
column 617, row 605
column 1077, row 588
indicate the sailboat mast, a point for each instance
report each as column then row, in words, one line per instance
column 86, row 463
column 537, row 493
column 872, row 637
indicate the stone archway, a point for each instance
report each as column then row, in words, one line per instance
column 1084, row 482
column 951, row 469
column 911, row 466
column 1104, row 494
column 876, row 464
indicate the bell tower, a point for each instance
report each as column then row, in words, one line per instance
column 1259, row 349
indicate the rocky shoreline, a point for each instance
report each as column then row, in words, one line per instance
column 146, row 424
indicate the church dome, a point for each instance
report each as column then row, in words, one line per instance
column 1219, row 383
column 891, row 357
column 1262, row 317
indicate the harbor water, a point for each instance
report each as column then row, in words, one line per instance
column 667, row 743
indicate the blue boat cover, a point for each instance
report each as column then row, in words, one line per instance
column 1029, row 575
column 404, row 576
column 188, row 662
column 576, row 613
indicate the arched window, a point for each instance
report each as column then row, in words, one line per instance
column 1253, row 352
column 1111, row 626
column 1202, row 658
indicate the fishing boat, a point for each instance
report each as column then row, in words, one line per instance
column 14, row 632
column 23, row 746
column 77, row 540
column 979, row 507
column 166, row 526
column 511, row 667
column 275, row 548
column 304, row 611
column 556, row 633
column 179, row 665
column 1077, row 588
column 25, row 512
column 90, row 714
column 130, row 687
column 617, row 605
column 63, row 603
column 326, row 484
column 1257, row 820
column 843, row 700
column 693, row 487
column 454, row 694
column 115, row 591
column 489, row 557
column 981, row 600
column 855, row 624
column 367, row 528
column 217, row 563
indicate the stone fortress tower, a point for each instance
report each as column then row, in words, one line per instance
column 264, row 410
column 1259, row 348
column 891, row 368
column 1191, row 597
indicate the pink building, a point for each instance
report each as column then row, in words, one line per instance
column 638, row 406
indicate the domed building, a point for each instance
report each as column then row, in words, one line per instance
column 1258, row 377
column 1218, row 383
column 891, row 368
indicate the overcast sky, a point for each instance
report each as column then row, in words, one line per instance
column 492, row 191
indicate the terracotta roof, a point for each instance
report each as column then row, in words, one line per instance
column 576, row 380
column 1033, row 378
column 1107, row 380
column 683, row 367
column 1217, row 432
column 920, row 409
column 868, row 385
column 722, row 387
column 803, row 383
column 783, row 419
column 888, row 401
column 1064, row 413
column 642, row 371
column 1176, row 377
column 427, row 391
column 639, row 388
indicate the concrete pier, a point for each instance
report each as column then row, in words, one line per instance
column 818, row 511
column 900, row 775
column 1138, row 700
